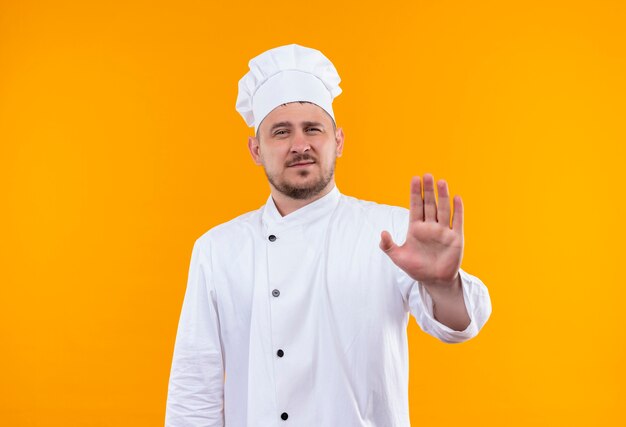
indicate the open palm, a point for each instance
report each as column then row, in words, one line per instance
column 432, row 251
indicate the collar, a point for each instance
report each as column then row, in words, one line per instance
column 306, row 214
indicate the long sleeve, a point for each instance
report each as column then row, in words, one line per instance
column 477, row 303
column 196, row 385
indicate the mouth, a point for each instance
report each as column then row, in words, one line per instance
column 300, row 164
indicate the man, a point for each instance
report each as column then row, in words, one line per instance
column 296, row 313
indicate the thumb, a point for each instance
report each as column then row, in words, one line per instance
column 387, row 244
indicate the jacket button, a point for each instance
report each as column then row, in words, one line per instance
column 272, row 238
column 275, row 292
column 280, row 353
column 284, row 415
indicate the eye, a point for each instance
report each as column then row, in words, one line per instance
column 313, row 129
column 280, row 132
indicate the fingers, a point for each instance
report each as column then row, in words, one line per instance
column 387, row 244
column 430, row 206
column 417, row 204
column 443, row 202
column 457, row 219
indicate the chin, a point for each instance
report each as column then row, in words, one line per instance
column 300, row 175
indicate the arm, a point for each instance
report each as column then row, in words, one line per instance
column 476, row 302
column 196, row 385
column 447, row 302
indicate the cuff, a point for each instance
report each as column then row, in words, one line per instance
column 476, row 300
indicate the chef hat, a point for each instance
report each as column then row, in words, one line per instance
column 286, row 74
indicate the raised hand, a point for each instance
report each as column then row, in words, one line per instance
column 433, row 250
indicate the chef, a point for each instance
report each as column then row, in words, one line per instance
column 296, row 314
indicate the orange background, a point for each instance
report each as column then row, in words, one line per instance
column 120, row 145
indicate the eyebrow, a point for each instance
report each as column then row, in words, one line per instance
column 290, row 125
column 317, row 124
column 280, row 125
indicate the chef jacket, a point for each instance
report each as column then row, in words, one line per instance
column 302, row 320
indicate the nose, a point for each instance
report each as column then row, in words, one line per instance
column 299, row 143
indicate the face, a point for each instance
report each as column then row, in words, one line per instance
column 297, row 146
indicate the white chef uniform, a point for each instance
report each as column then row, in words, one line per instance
column 306, row 318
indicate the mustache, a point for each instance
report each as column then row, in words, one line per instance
column 300, row 158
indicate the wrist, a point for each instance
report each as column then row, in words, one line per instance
column 448, row 286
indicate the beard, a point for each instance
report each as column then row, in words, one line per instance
column 303, row 191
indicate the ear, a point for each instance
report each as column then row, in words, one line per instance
column 339, row 138
column 253, row 146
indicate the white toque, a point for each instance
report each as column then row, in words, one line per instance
column 286, row 74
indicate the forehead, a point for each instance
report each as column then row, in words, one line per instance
column 295, row 112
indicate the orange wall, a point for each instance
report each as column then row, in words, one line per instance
column 120, row 145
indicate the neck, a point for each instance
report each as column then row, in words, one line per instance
column 287, row 205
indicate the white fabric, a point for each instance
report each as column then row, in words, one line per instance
column 286, row 74
column 341, row 320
